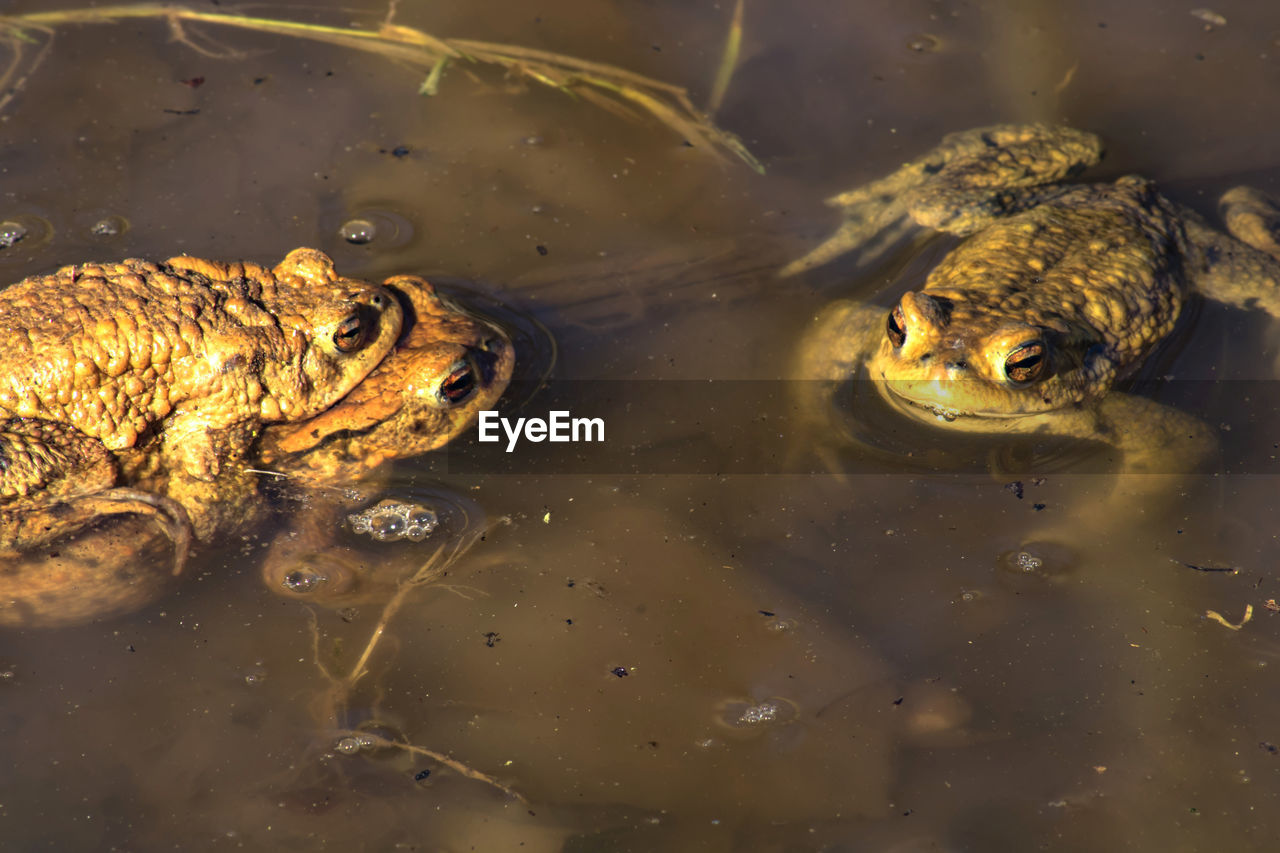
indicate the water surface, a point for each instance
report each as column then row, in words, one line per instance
column 714, row 648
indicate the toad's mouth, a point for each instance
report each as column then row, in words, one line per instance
column 932, row 409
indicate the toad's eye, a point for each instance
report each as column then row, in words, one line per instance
column 896, row 326
column 459, row 384
column 351, row 334
column 1026, row 363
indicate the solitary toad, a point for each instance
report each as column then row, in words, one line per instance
column 1059, row 291
column 171, row 369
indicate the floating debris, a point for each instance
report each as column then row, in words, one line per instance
column 1230, row 570
column 1222, row 620
column 1210, row 17
column 923, row 43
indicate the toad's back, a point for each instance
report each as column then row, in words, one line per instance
column 113, row 348
column 1099, row 267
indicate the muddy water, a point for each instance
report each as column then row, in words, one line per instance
column 695, row 637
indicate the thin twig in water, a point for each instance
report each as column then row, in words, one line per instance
column 428, row 573
column 452, row 763
column 330, row 706
column 1224, row 569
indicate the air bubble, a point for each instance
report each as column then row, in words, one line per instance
column 301, row 580
column 348, row 745
column 387, row 526
column 109, row 226
column 11, row 233
column 362, row 226
column 358, row 232
column 378, row 739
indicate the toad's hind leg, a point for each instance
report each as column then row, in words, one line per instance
column 1244, row 272
column 55, row 481
column 970, row 179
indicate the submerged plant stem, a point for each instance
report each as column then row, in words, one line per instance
column 666, row 103
column 728, row 62
column 331, row 705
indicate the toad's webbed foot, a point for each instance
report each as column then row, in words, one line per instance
column 971, row 178
column 1252, row 217
column 46, row 458
column 1244, row 272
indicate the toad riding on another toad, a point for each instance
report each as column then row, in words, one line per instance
column 152, row 389
column 1058, row 292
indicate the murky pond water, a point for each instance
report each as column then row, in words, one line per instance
column 694, row 636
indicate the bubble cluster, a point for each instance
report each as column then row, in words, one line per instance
column 749, row 714
column 1027, row 562
column 389, row 521
column 1040, row 561
column 351, row 744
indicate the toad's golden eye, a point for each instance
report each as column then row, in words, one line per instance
column 1026, row 363
column 896, row 326
column 352, row 333
column 459, row 384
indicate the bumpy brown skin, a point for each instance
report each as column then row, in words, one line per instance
column 403, row 409
column 1095, row 275
column 177, row 365
column 445, row 367
column 1058, row 292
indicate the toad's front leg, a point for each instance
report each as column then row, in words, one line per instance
column 1155, row 449
column 837, row 346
